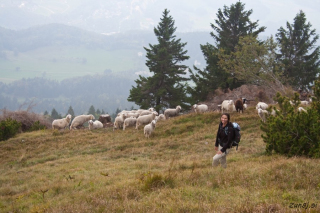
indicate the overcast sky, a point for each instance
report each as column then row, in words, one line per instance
column 111, row 16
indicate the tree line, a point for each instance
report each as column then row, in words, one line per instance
column 237, row 57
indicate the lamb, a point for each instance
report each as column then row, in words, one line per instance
column 129, row 122
column 61, row 123
column 149, row 128
column 118, row 121
column 262, row 105
column 305, row 103
column 301, row 109
column 200, row 108
column 172, row 112
column 80, row 120
column 227, row 105
column 145, row 119
column 95, row 125
column 262, row 114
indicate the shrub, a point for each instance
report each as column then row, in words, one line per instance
column 37, row 126
column 8, row 128
column 291, row 132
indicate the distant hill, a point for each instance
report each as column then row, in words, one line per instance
column 59, row 52
column 59, row 66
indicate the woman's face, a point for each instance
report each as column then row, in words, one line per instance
column 224, row 119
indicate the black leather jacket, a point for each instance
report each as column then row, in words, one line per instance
column 224, row 136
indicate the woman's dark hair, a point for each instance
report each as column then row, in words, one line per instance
column 226, row 114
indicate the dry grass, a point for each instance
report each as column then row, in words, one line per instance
column 122, row 171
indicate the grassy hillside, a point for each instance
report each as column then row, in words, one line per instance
column 122, row 171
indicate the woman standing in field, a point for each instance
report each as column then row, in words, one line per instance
column 223, row 141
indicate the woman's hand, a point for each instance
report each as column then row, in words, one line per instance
column 219, row 152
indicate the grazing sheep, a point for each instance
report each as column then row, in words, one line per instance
column 262, row 105
column 172, row 112
column 132, row 114
column 273, row 112
column 305, row 103
column 239, row 104
column 61, row 123
column 145, row 112
column 160, row 117
column 80, row 120
column 95, row 125
column 145, row 119
column 118, row 121
column 227, row 105
column 301, row 109
column 129, row 122
column 245, row 106
column 149, row 128
column 104, row 119
column 262, row 114
column 200, row 108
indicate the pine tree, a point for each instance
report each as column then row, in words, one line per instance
column 102, row 112
column 92, row 110
column 298, row 52
column 233, row 22
column 166, row 88
column 71, row 112
column 54, row 114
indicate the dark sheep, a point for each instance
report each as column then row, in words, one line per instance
column 105, row 119
column 239, row 104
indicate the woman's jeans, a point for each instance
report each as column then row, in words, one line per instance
column 221, row 158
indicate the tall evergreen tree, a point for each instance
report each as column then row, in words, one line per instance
column 166, row 88
column 54, row 114
column 298, row 52
column 71, row 112
column 92, row 110
column 232, row 23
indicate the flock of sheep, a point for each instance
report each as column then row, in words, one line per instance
column 150, row 117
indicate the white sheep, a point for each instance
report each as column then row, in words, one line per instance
column 118, row 121
column 262, row 114
column 301, row 109
column 200, row 108
column 95, row 125
column 145, row 119
column 262, row 105
column 129, row 122
column 61, row 123
column 80, row 120
column 227, row 105
column 245, row 106
column 305, row 103
column 160, row 117
column 149, row 128
column 132, row 114
column 172, row 112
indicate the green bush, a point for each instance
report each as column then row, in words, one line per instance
column 37, row 126
column 8, row 128
column 294, row 133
